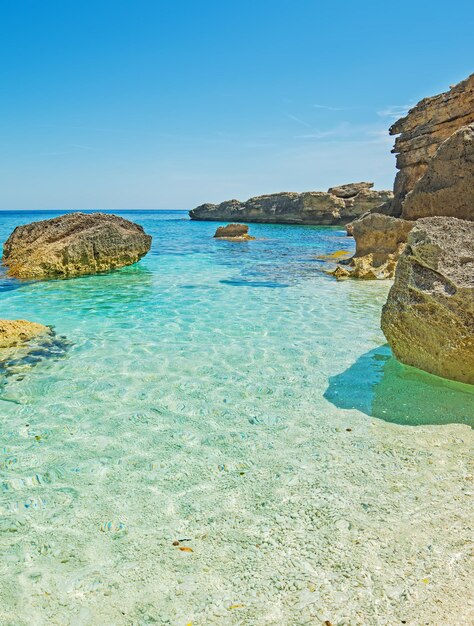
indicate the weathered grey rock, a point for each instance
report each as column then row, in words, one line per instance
column 312, row 207
column 73, row 245
column 16, row 332
column 424, row 129
column 235, row 232
column 428, row 318
column 447, row 187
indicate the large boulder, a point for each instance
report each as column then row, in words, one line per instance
column 334, row 207
column 73, row 245
column 428, row 318
column 447, row 187
column 15, row 332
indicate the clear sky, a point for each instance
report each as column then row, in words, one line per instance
column 171, row 103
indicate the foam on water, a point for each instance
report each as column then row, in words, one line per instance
column 236, row 399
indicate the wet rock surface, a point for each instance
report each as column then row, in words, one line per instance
column 73, row 245
column 428, row 318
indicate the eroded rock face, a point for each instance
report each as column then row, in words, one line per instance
column 423, row 130
column 428, row 318
column 74, row 245
column 236, row 232
column 447, row 187
column 15, row 332
column 380, row 239
column 312, row 207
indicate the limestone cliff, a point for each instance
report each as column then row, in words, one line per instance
column 435, row 158
column 423, row 130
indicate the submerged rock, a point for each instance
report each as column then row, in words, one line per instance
column 447, row 187
column 311, row 207
column 428, row 318
column 16, row 332
column 73, row 245
column 236, row 232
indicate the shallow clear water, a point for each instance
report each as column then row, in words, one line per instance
column 233, row 395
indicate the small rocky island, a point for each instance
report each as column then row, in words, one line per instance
column 337, row 206
column 234, row 232
column 74, row 245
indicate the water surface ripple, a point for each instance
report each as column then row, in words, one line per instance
column 234, row 398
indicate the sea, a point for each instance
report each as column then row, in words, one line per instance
column 220, row 434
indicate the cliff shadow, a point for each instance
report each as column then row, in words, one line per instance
column 379, row 386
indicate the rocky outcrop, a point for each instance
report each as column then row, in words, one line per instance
column 350, row 190
column 447, row 187
column 435, row 156
column 380, row 239
column 423, row 130
column 16, row 332
column 234, row 232
column 428, row 319
column 74, row 245
column 337, row 206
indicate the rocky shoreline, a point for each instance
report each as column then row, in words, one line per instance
column 337, row 206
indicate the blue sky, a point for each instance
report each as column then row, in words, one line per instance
column 168, row 104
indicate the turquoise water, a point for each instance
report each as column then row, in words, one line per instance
column 234, row 396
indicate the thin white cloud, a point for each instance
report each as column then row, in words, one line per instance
column 395, row 111
column 298, row 120
column 329, row 108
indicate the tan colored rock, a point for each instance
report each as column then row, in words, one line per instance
column 311, row 207
column 340, row 273
column 72, row 245
column 423, row 130
column 16, row 332
column 235, row 232
column 350, row 190
column 447, row 187
column 380, row 239
column 428, row 318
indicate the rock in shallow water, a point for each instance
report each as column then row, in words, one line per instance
column 73, row 245
column 16, row 332
column 237, row 232
column 428, row 318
